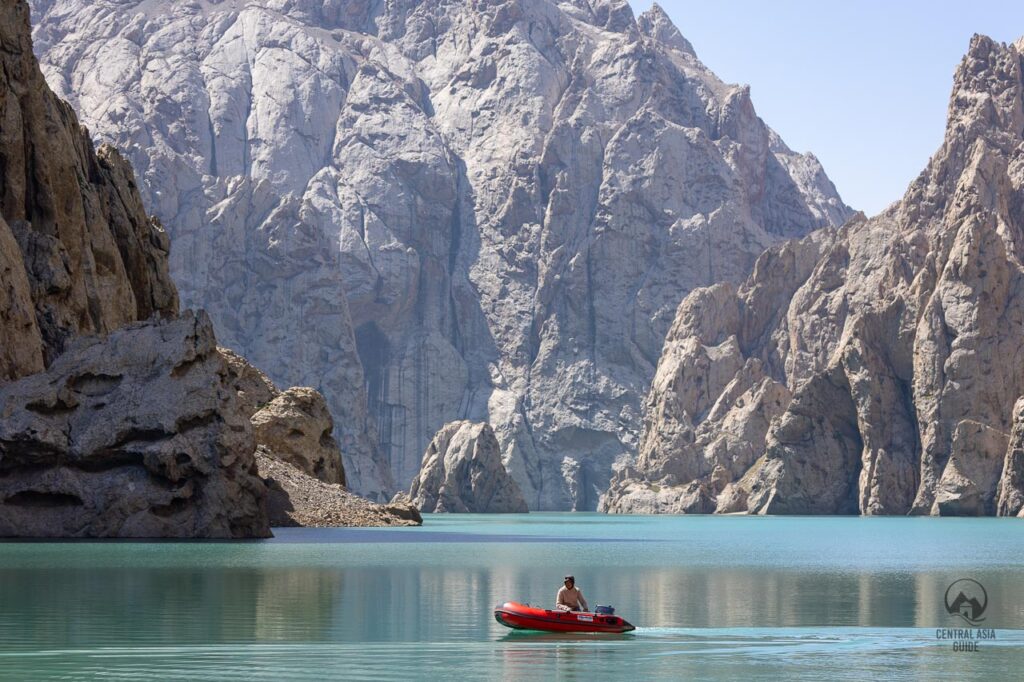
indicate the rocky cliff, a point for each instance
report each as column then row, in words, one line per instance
column 434, row 210
column 116, row 419
column 462, row 472
column 135, row 434
column 78, row 252
column 872, row 369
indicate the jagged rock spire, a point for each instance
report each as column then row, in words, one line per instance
column 896, row 337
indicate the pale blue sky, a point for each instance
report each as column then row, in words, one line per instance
column 863, row 84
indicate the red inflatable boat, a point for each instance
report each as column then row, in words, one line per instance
column 526, row 617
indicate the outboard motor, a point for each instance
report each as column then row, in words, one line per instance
column 605, row 610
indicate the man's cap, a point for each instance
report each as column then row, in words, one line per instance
column 570, row 577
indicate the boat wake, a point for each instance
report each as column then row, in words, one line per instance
column 664, row 652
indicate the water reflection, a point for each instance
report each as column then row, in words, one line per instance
column 70, row 607
column 315, row 609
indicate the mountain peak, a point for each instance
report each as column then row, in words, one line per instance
column 864, row 407
column 986, row 103
column 656, row 24
column 614, row 15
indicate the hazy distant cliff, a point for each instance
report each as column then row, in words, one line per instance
column 435, row 210
column 873, row 369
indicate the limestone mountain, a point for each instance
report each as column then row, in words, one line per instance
column 874, row 369
column 438, row 210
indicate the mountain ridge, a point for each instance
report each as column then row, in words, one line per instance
column 889, row 380
column 434, row 211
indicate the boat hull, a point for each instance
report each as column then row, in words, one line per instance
column 525, row 617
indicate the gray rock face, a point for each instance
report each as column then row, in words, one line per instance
column 462, row 472
column 433, row 211
column 297, row 428
column 134, row 435
column 110, row 426
column 254, row 388
column 898, row 339
column 1011, row 485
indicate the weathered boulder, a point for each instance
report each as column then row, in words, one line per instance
column 462, row 472
column 134, row 435
column 254, row 388
column 899, row 341
column 402, row 507
column 296, row 427
column 299, row 459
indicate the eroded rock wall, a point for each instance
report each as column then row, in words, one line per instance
column 432, row 211
column 78, row 251
column 132, row 435
column 116, row 415
column 894, row 346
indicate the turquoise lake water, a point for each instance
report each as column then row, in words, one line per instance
column 716, row 598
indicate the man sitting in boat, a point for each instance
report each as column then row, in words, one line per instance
column 570, row 598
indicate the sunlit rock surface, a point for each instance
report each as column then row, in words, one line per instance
column 297, row 428
column 873, row 369
column 462, row 472
column 432, row 211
